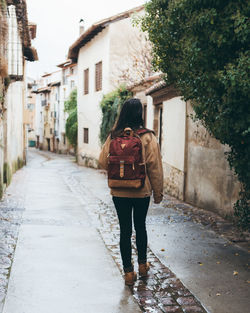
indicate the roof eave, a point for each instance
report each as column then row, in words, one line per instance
column 97, row 28
column 82, row 40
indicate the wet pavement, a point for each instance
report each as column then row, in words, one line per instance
column 11, row 210
column 68, row 249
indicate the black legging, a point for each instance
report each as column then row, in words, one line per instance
column 124, row 208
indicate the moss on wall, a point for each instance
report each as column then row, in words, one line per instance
column 7, row 173
column 1, row 186
column 16, row 165
column 20, row 163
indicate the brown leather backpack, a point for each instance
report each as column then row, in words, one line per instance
column 126, row 167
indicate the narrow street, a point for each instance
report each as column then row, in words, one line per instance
column 66, row 257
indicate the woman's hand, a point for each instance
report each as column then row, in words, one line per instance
column 158, row 198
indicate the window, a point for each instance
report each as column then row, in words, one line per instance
column 71, row 71
column 72, row 84
column 98, row 76
column 51, row 131
column 85, row 135
column 86, row 81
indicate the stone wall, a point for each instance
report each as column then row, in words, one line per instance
column 173, row 181
column 209, row 182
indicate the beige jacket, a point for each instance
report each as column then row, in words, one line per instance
column 154, row 172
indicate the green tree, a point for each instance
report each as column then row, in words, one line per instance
column 70, row 106
column 203, row 47
column 110, row 106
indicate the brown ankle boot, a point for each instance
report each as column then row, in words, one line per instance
column 143, row 269
column 130, row 278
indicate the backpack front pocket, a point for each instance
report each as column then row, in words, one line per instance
column 122, row 167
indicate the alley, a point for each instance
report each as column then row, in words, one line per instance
column 67, row 256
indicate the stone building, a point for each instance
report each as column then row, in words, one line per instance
column 15, row 50
column 105, row 54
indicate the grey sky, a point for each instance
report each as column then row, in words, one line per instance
column 58, row 26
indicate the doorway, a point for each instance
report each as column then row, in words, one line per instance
column 48, row 143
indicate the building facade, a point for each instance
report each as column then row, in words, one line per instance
column 68, row 84
column 15, row 50
column 105, row 55
column 52, row 90
column 29, row 115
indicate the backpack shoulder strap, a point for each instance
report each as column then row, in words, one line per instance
column 142, row 131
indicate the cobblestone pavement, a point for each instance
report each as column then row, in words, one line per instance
column 11, row 209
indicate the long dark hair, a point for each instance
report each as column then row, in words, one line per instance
column 130, row 116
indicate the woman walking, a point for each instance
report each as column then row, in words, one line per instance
column 134, row 201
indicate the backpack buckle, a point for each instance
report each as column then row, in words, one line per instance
column 122, row 169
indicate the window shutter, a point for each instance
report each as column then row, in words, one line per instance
column 85, row 135
column 98, row 76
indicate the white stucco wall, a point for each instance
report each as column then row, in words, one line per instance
column 174, row 123
column 15, row 100
column 89, row 112
column 127, row 43
column 172, row 141
column 150, row 113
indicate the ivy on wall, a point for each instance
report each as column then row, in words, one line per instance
column 110, row 106
column 203, row 47
column 70, row 106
